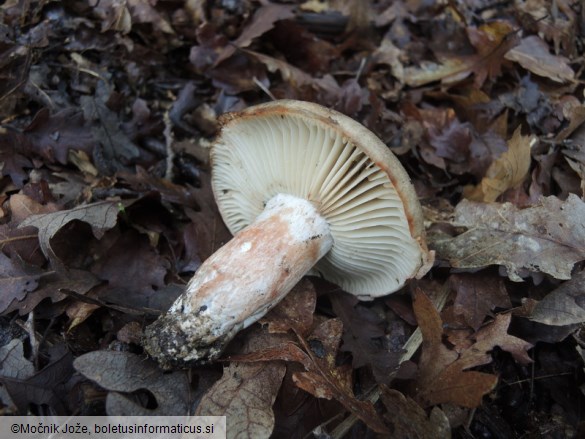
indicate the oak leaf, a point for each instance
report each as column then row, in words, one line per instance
column 263, row 20
column 565, row 305
column 245, row 395
column 122, row 373
column 491, row 41
column 101, row 216
column 16, row 280
column 507, row 172
column 477, row 295
column 410, row 420
column 322, row 377
column 546, row 238
column 533, row 54
column 442, row 377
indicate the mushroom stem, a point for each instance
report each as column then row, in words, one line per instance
column 241, row 282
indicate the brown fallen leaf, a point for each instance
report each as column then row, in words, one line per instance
column 144, row 12
column 53, row 286
column 299, row 78
column 122, row 373
column 295, row 311
column 496, row 334
column 322, row 377
column 263, row 20
column 409, row 420
column 114, row 16
column 78, row 312
column 477, row 295
column 12, row 144
column 245, row 395
column 565, row 305
column 491, row 41
column 52, row 135
column 135, row 271
column 441, row 374
column 507, row 172
column 22, row 242
column 16, row 281
column 533, row 54
column 101, row 216
column 45, row 387
column 364, row 336
column 547, row 238
column 13, row 365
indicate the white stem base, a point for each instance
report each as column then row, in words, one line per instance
column 241, row 282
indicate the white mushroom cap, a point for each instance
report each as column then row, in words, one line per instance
column 351, row 177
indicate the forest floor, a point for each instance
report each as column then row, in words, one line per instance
column 108, row 109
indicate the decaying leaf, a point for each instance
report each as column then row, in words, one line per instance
column 245, row 395
column 295, row 311
column 563, row 306
column 52, row 136
column 322, row 377
column 144, row 12
column 135, row 272
column 123, row 373
column 13, row 365
column 45, row 387
column 495, row 334
column 409, row 420
column 115, row 144
column 53, row 286
column 14, row 164
column 508, row 171
column 364, row 336
column 16, row 281
column 101, row 216
column 262, row 22
column 533, row 54
column 546, row 238
column 477, row 295
column 78, row 312
column 441, row 373
column 491, row 41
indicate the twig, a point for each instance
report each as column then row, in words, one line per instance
column 168, row 133
column 263, row 88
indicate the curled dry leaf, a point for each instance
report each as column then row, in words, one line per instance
column 327, row 85
column 533, row 54
column 245, row 395
column 122, row 373
column 563, row 306
column 100, row 216
column 54, row 286
column 262, row 22
column 547, row 238
column 491, row 40
column 491, row 335
column 144, row 12
column 508, row 171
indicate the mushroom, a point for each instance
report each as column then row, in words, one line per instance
column 304, row 190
